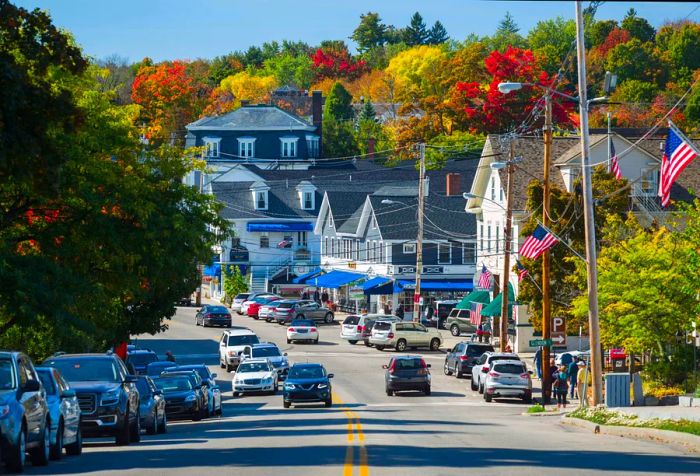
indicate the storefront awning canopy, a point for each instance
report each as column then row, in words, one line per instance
column 494, row 309
column 304, row 277
column 474, row 296
column 376, row 285
column 335, row 279
column 434, row 285
column 212, row 270
column 280, row 227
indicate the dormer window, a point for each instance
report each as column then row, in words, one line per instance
column 246, row 147
column 211, row 146
column 260, row 195
column 308, row 201
column 312, row 146
column 289, row 146
column 306, row 192
column 261, row 201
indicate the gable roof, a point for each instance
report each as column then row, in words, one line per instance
column 253, row 118
column 573, row 155
column 283, row 203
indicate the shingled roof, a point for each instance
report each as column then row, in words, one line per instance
column 253, row 118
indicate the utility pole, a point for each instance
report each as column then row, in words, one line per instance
column 507, row 250
column 546, row 300
column 419, row 238
column 588, row 213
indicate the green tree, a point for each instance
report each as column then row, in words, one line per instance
column 338, row 104
column 680, row 44
column 339, row 138
column 598, row 31
column 234, row 282
column 416, row 32
column 288, row 69
column 637, row 92
column 636, row 60
column 370, row 33
column 692, row 110
column 638, row 27
column 552, row 39
column 437, row 34
column 507, row 34
column 367, row 113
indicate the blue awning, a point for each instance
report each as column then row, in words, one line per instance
column 378, row 285
column 302, row 279
column 434, row 285
column 374, row 282
column 281, row 227
column 212, row 270
column 335, row 279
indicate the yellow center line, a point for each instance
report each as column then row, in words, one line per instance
column 347, row 467
column 354, row 426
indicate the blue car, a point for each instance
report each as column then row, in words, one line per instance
column 209, row 380
column 137, row 360
column 65, row 413
column 151, row 406
column 154, row 369
column 182, row 399
column 307, row 383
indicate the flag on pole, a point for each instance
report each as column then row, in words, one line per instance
column 485, row 278
column 614, row 164
column 678, row 153
column 522, row 271
column 475, row 313
column 539, row 242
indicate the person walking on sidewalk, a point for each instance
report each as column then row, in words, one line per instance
column 573, row 373
column 560, row 385
column 538, row 363
column 583, row 381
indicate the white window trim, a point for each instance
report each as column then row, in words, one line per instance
column 466, row 246
column 212, row 146
column 292, row 143
column 303, row 200
column 242, row 150
column 449, row 245
column 266, row 197
column 654, row 182
column 409, row 248
column 312, row 145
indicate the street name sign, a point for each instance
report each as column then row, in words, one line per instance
column 541, row 343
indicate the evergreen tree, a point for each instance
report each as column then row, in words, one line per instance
column 438, row 34
column 416, row 32
column 638, row 27
column 338, row 137
column 506, row 35
column 370, row 33
column 338, row 104
column 507, row 25
column 367, row 113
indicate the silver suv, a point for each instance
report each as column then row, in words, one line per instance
column 483, row 366
column 402, row 335
column 508, row 378
column 287, row 311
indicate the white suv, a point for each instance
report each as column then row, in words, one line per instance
column 483, row 366
column 508, row 378
column 231, row 345
column 402, row 335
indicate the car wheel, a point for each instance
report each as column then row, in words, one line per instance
column 57, row 447
column 400, row 345
column 136, row 429
column 316, row 341
column 153, row 429
column 458, row 372
column 527, row 399
column 454, row 330
column 229, row 367
column 353, row 342
column 487, row 397
column 122, row 437
column 481, row 388
column 228, row 325
column 222, row 365
column 235, row 394
column 389, row 392
column 196, row 321
column 427, row 390
column 379, row 347
column 367, row 344
column 76, row 448
column 289, row 341
column 197, row 415
column 40, row 454
column 286, row 404
column 435, row 344
column 18, row 454
column 328, row 403
column 328, row 319
column 163, row 428
column 473, row 385
column 446, row 369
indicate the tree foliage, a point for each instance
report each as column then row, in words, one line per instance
column 370, row 33
column 416, row 33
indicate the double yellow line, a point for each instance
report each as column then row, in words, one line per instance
column 356, row 438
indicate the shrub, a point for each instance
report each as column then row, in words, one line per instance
column 659, row 390
column 536, row 409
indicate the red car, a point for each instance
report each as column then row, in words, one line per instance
column 257, row 303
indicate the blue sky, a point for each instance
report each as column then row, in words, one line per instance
column 170, row 29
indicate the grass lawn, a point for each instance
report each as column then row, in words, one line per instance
column 604, row 416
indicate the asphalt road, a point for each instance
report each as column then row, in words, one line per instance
column 451, row 432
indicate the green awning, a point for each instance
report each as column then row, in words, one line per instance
column 474, row 296
column 494, row 309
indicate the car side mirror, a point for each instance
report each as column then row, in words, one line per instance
column 31, row 386
column 214, row 376
column 427, row 365
column 385, row 366
column 330, row 375
column 285, row 354
column 70, row 393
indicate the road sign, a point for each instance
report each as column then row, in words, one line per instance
column 541, row 343
column 559, row 331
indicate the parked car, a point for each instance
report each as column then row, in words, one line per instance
column 65, row 413
column 152, row 406
column 249, row 300
column 253, row 309
column 403, row 335
column 109, row 401
column 254, row 375
column 267, row 311
column 287, row 311
column 463, row 356
column 209, row 380
column 197, row 383
column 25, row 421
column 269, row 351
column 483, row 365
column 354, row 327
column 231, row 345
column 238, row 301
column 137, row 360
column 182, row 399
column 442, row 310
column 307, row 383
column 302, row 330
column 458, row 323
column 210, row 315
column 406, row 372
column 369, row 322
column 508, row 378
column 185, row 301
column 154, row 369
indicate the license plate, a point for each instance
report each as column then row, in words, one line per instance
column 302, row 331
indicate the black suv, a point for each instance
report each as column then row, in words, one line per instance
column 107, row 394
column 463, row 356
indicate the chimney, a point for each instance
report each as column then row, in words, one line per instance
column 452, row 185
column 245, row 102
column 370, row 147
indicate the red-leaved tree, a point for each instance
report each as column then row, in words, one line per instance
column 335, row 63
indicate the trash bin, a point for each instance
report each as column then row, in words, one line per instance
column 617, row 390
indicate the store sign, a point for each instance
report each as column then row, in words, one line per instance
column 426, row 270
column 352, row 265
column 356, row 293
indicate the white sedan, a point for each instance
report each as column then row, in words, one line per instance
column 302, row 330
column 254, row 375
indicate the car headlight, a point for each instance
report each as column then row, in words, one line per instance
column 322, row 385
column 4, row 410
column 110, row 397
column 289, row 386
column 191, row 398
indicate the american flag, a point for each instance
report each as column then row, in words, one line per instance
column 284, row 244
column 522, row 271
column 539, row 242
column 614, row 164
column 677, row 155
column 475, row 313
column 484, row 279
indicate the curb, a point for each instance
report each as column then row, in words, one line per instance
column 686, row 440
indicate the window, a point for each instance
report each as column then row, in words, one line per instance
column 261, row 200
column 468, row 253
column 493, row 188
column 357, row 250
column 488, row 237
column 325, row 245
column 301, row 238
column 381, row 252
column 498, row 237
column 312, row 146
column 264, row 240
column 481, row 236
column 211, row 146
column 330, row 220
column 289, row 146
column 409, row 248
column 332, row 247
column 647, row 183
column 246, row 147
column 374, row 222
column 308, row 201
column 445, row 253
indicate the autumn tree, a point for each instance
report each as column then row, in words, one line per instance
column 334, row 61
column 599, row 30
column 638, row 27
column 290, row 70
column 679, row 44
column 370, row 33
column 636, row 60
column 240, row 86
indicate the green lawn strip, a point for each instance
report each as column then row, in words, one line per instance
column 602, row 416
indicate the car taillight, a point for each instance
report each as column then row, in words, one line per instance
column 484, row 369
column 463, row 358
column 525, row 375
column 422, row 371
column 208, row 316
column 494, row 374
column 291, row 329
column 313, row 329
column 390, row 335
column 393, row 367
column 360, row 328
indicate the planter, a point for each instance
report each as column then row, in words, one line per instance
column 650, row 401
column 669, row 400
column 687, row 401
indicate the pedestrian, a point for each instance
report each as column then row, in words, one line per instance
column 305, row 295
column 560, row 385
column 538, row 362
column 169, row 356
column 317, row 296
column 399, row 312
column 583, row 381
column 324, row 297
column 552, row 369
column 573, row 373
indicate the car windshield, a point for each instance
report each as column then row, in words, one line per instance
column 509, row 368
column 253, row 367
column 302, row 323
column 352, row 320
column 47, row 381
column 243, row 296
column 88, row 370
column 285, row 305
column 202, row 371
column 156, row 368
column 173, row 384
column 266, row 352
column 306, row 372
column 141, row 359
column 243, row 340
column 7, row 375
column 142, row 387
column 217, row 309
column 477, row 350
column 503, row 357
column 382, row 325
column 409, row 364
